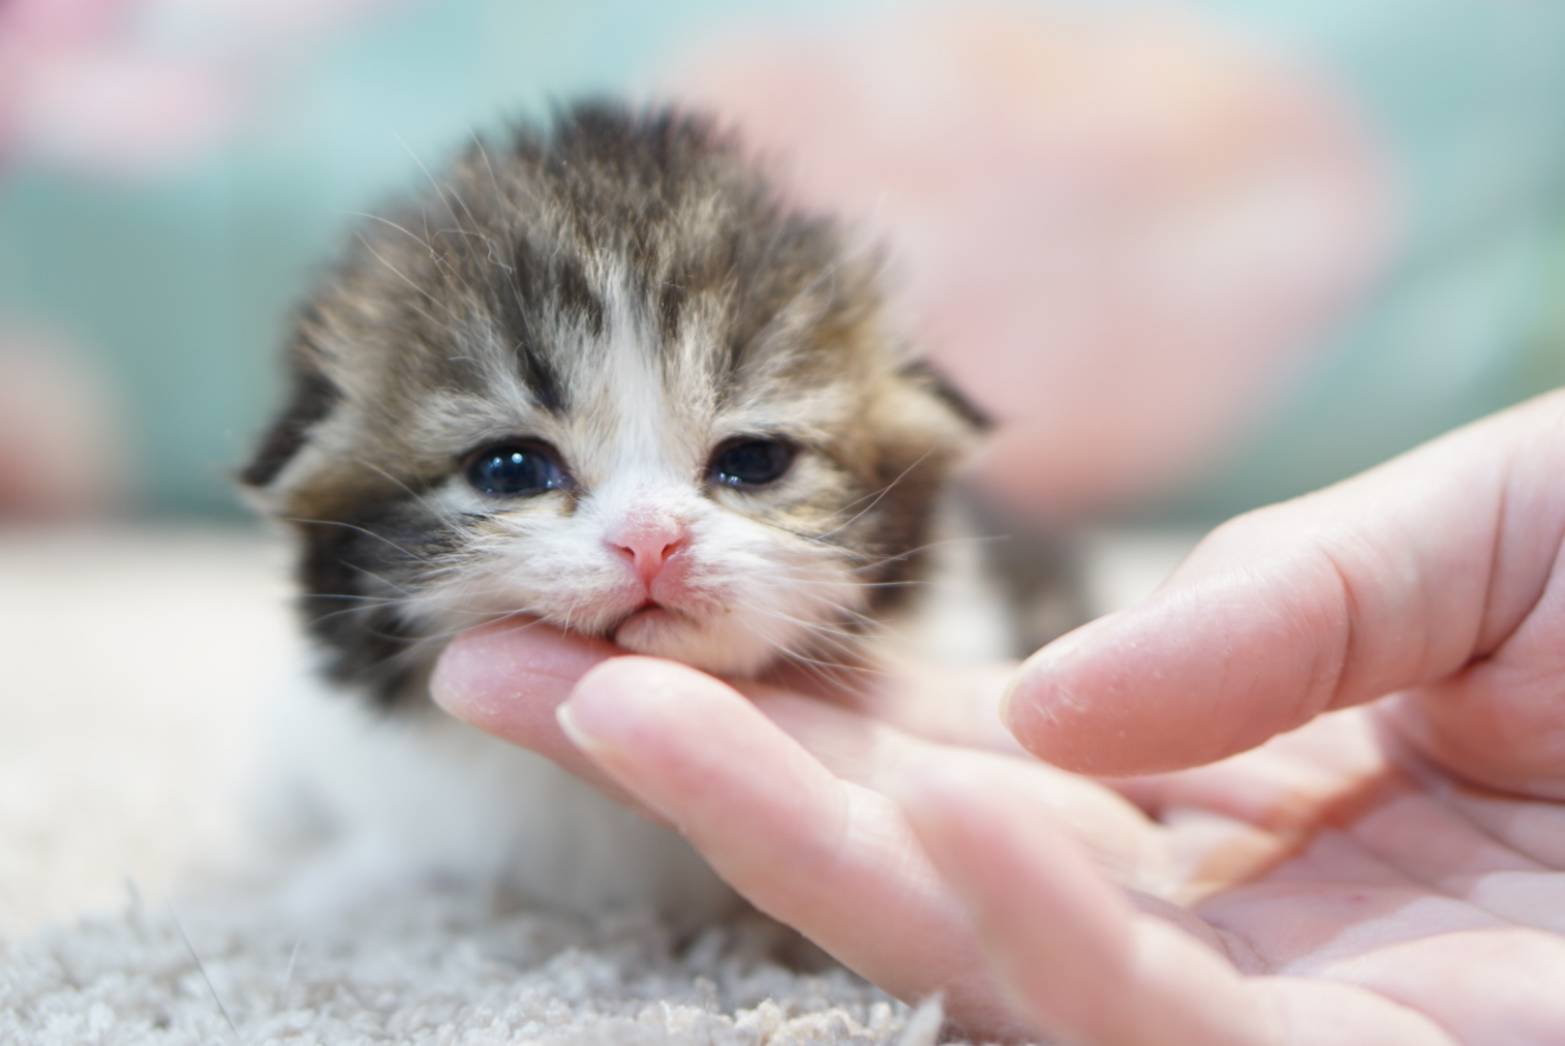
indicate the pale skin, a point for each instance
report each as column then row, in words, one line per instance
column 1393, row 871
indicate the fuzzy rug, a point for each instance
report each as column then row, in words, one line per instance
column 437, row 967
column 122, row 920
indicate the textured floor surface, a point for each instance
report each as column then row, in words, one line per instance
column 433, row 969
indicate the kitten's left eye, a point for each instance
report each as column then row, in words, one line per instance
column 515, row 469
column 750, row 461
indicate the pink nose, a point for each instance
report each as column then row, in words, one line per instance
column 648, row 545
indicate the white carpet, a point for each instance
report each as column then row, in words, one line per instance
column 121, row 766
column 435, row 968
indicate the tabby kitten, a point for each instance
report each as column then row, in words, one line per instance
column 601, row 375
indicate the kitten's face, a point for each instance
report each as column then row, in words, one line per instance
column 606, row 381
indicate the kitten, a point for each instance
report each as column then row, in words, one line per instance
column 601, row 375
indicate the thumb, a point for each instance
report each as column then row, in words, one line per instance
column 1395, row 580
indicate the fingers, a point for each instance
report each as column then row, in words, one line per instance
column 1076, row 957
column 1320, row 1013
column 1081, row 962
column 508, row 679
column 1500, row 721
column 1119, row 839
column 776, row 790
column 830, row 858
column 1392, row 580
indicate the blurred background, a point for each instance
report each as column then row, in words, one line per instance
column 1194, row 258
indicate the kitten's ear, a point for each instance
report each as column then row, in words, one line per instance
column 928, row 418
column 926, row 377
column 312, row 397
column 925, row 426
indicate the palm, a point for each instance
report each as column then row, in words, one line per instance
column 1332, row 854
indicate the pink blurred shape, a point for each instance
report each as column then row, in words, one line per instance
column 63, row 451
column 1116, row 231
column 140, row 86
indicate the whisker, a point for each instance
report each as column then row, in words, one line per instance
column 879, row 497
column 404, row 230
column 980, row 539
column 306, row 521
column 440, row 190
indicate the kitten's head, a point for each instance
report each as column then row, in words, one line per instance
column 603, row 376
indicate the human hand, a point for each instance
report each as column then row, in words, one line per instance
column 1326, row 888
column 1333, row 885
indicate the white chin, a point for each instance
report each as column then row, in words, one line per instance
column 724, row 651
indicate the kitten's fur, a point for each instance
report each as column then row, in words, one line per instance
column 628, row 288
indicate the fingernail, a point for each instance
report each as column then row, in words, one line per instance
column 577, row 733
column 601, row 703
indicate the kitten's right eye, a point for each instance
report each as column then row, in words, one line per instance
column 515, row 469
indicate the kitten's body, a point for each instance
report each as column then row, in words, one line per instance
column 605, row 377
column 372, row 804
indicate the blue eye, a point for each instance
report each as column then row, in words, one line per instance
column 510, row 470
column 750, row 461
